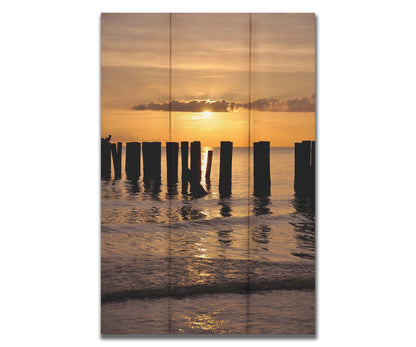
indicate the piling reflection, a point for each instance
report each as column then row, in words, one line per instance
column 260, row 235
column 225, row 210
column 189, row 213
column 304, row 226
column 132, row 187
column 172, row 190
column 152, row 188
column 224, row 237
column 304, row 204
column 261, row 205
column 116, row 192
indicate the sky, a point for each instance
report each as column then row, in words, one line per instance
column 212, row 81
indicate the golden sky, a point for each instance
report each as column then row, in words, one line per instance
column 209, row 77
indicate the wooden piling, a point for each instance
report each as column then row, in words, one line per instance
column 151, row 161
column 118, row 161
column 262, row 168
column 146, row 160
column 312, row 183
column 303, row 166
column 132, row 160
column 307, row 168
column 195, row 164
column 126, row 164
column 172, row 149
column 208, row 168
column 114, row 156
column 105, row 159
column 313, row 155
column 184, row 161
column 184, row 156
column 156, row 160
column 226, row 155
column 299, row 159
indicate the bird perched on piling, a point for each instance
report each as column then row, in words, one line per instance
column 107, row 139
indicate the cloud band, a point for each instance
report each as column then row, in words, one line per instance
column 305, row 104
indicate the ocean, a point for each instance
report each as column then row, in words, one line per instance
column 175, row 264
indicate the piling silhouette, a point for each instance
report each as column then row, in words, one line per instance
column 305, row 168
column 313, row 167
column 184, row 162
column 118, row 160
column 152, row 168
column 304, row 180
column 156, row 155
column 151, row 161
column 195, row 166
column 146, row 151
column 105, row 159
column 208, row 168
column 262, row 168
column 226, row 156
column 132, row 160
column 172, row 149
column 116, row 155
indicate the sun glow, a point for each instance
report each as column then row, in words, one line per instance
column 206, row 113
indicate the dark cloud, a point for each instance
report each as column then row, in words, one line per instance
column 305, row 104
column 187, row 106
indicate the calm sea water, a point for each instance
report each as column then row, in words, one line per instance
column 171, row 263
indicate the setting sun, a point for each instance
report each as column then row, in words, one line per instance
column 208, row 94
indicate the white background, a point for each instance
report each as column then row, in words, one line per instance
column 49, row 220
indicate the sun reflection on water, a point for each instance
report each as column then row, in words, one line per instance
column 203, row 256
column 206, row 322
column 201, row 251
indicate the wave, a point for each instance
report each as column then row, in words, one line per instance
column 201, row 223
column 192, row 290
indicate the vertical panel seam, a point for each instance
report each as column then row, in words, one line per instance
column 169, row 199
column 249, row 176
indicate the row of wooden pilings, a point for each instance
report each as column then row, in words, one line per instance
column 152, row 164
column 305, row 168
